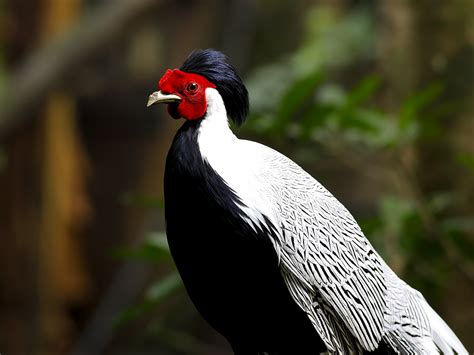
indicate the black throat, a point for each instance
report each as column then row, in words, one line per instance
column 190, row 177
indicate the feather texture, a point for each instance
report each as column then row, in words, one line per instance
column 353, row 299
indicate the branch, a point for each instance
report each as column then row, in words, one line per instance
column 50, row 64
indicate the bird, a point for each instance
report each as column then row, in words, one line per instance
column 268, row 256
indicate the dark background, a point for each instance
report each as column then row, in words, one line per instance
column 373, row 98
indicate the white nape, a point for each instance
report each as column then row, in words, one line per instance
column 237, row 161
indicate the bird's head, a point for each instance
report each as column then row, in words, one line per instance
column 184, row 89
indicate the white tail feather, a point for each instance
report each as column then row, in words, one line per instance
column 444, row 338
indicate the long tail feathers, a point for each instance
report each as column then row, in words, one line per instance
column 443, row 337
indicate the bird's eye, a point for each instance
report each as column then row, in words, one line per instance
column 192, row 87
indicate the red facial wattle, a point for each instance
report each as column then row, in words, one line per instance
column 192, row 90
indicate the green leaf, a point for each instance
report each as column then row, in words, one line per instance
column 163, row 288
column 359, row 120
column 414, row 104
column 465, row 159
column 154, row 249
column 156, row 294
column 462, row 225
column 440, row 202
column 363, row 91
column 331, row 95
column 394, row 211
column 296, row 95
column 266, row 86
column 316, row 117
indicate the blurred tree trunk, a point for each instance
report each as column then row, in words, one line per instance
column 42, row 190
column 19, row 198
column 19, row 225
column 63, row 284
column 432, row 41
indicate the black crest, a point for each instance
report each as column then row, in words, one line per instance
column 215, row 67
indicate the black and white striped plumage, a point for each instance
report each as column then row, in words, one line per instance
column 270, row 258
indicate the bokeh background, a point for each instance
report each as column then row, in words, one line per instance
column 374, row 98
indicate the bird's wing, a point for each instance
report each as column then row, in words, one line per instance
column 333, row 273
column 331, row 269
column 324, row 247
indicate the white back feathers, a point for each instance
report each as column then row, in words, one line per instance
column 332, row 271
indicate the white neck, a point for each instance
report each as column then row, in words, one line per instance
column 237, row 162
column 215, row 134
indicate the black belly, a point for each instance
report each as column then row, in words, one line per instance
column 235, row 283
column 232, row 276
column 230, row 271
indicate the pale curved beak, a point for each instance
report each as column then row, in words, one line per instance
column 159, row 98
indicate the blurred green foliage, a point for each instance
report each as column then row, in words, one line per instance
column 154, row 249
column 416, row 234
column 278, row 89
column 155, row 294
column 298, row 99
column 466, row 160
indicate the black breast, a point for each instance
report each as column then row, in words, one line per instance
column 230, row 271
